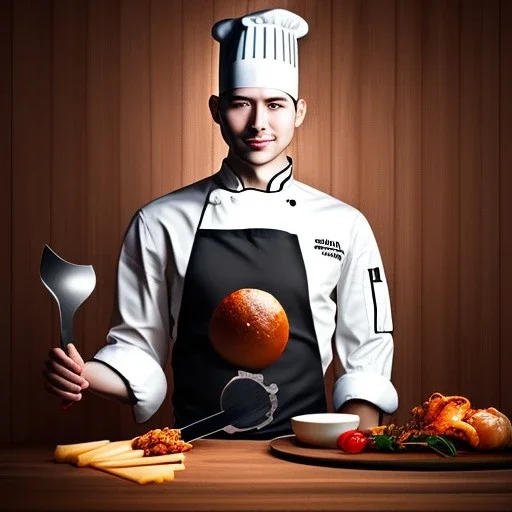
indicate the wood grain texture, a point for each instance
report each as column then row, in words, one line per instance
column 470, row 191
column 505, row 205
column 490, row 175
column 313, row 162
column 479, row 218
column 5, row 212
column 407, row 365
column 104, row 107
column 198, row 127
column 68, row 201
column 244, row 476
column 32, row 306
column 345, row 101
column 166, row 90
column 134, row 108
column 440, row 199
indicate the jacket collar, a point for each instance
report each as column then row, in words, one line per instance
column 231, row 181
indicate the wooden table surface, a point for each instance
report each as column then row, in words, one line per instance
column 226, row 475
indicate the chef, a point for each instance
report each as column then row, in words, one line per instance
column 250, row 225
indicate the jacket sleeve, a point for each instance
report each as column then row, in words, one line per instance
column 138, row 340
column 363, row 345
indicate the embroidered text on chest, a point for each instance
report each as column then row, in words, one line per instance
column 329, row 248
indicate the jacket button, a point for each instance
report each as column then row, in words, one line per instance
column 214, row 199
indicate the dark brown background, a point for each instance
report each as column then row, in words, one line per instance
column 103, row 107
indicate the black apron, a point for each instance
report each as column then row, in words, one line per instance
column 221, row 262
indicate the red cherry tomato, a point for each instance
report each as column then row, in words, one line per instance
column 352, row 441
column 341, row 439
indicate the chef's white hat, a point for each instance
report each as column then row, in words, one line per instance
column 260, row 50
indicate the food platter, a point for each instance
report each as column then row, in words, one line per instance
column 287, row 447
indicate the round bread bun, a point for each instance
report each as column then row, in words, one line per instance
column 249, row 329
column 493, row 428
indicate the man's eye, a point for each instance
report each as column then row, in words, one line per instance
column 274, row 106
column 239, row 104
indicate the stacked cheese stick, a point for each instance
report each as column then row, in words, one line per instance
column 120, row 459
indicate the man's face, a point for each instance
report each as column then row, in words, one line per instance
column 257, row 124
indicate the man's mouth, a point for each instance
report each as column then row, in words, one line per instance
column 258, row 143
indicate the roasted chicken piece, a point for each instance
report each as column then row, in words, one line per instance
column 483, row 429
column 161, row 442
column 444, row 415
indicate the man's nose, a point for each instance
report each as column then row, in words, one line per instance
column 259, row 118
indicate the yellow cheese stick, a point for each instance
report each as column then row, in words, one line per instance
column 139, row 461
column 104, row 452
column 132, row 454
column 144, row 474
column 69, row 452
column 180, row 466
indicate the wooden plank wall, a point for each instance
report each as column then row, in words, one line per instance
column 103, row 106
column 5, row 213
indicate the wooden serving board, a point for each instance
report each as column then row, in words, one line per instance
column 287, row 447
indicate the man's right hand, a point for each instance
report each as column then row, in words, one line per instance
column 63, row 373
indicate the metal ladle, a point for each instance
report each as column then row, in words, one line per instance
column 70, row 285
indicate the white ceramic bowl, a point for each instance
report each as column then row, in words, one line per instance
column 323, row 429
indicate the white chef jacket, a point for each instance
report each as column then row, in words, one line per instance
column 347, row 287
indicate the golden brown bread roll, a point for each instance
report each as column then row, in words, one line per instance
column 249, row 329
column 493, row 428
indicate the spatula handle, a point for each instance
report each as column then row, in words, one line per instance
column 206, row 426
column 66, row 337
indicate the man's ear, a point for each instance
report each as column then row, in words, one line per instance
column 300, row 113
column 213, row 103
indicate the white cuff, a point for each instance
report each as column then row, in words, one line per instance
column 143, row 374
column 372, row 387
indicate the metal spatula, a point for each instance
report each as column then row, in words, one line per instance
column 70, row 286
column 246, row 404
